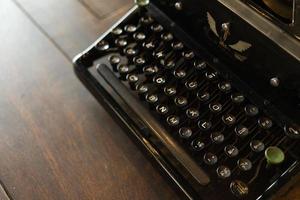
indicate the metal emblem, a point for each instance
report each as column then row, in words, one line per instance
column 237, row 48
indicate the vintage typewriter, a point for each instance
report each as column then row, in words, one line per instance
column 210, row 89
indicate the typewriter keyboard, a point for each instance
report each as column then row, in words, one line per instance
column 231, row 139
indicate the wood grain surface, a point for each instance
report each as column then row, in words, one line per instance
column 57, row 142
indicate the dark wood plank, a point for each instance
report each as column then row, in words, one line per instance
column 51, row 126
column 103, row 9
column 56, row 141
column 68, row 23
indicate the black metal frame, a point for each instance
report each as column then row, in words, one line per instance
column 293, row 28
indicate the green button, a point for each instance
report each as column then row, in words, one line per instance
column 142, row 2
column 274, row 155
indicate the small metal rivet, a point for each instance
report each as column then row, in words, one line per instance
column 266, row 102
column 226, row 26
column 274, row 82
column 178, row 5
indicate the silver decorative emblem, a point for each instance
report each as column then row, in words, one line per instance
column 237, row 48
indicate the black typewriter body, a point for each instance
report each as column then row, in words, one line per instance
column 211, row 91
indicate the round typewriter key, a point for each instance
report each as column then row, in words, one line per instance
column 129, row 51
column 224, row 86
column 139, row 36
column 200, row 65
column 130, row 28
column 204, row 125
column 188, row 55
column 117, row 31
column 159, row 54
column 170, row 64
column 257, row 146
column 217, row 137
column 102, row 45
column 150, row 70
column 157, row 28
column 210, row 158
column 229, row 119
column 132, row 79
column 139, row 61
column 149, row 45
column 203, row 96
column 121, row 42
column 223, row 172
column 159, row 80
column 173, row 120
column 152, row 98
column 162, row 109
column 265, row 123
column 231, row 151
column 241, row 130
column 163, row 62
column 251, row 110
column 215, row 107
column 177, row 45
column 192, row 113
column 179, row 73
column 197, row 144
column 167, row 37
column 142, row 89
column 114, row 61
column 274, row 155
column 211, row 76
column 244, row 164
column 180, row 101
column 237, row 98
column 146, row 20
column 123, row 70
column 239, row 188
column 185, row 132
column 170, row 91
column 191, row 85
column 293, row 131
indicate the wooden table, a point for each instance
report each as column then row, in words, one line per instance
column 57, row 142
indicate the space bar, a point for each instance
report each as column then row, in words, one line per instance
column 181, row 156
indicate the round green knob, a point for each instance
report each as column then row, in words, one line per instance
column 142, row 2
column 274, row 155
